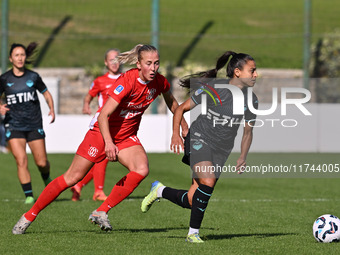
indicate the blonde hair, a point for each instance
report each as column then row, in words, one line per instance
column 134, row 55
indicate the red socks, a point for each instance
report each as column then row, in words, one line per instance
column 99, row 170
column 49, row 194
column 121, row 190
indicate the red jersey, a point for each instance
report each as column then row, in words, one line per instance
column 134, row 97
column 101, row 85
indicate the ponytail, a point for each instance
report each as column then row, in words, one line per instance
column 134, row 55
column 212, row 73
column 130, row 57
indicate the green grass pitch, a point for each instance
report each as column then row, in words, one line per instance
column 244, row 216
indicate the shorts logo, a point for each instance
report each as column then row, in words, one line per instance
column 93, row 151
column 8, row 133
column 197, row 145
column 118, row 89
column 29, row 83
column 41, row 131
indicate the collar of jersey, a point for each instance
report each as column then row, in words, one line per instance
column 111, row 76
column 142, row 82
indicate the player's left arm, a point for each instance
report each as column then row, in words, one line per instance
column 49, row 100
column 247, row 139
column 172, row 104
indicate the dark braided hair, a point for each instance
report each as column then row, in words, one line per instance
column 29, row 50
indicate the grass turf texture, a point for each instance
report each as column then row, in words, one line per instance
column 270, row 31
column 244, row 216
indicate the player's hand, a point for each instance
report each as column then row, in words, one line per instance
column 240, row 165
column 176, row 144
column 3, row 109
column 111, row 151
column 52, row 114
column 87, row 110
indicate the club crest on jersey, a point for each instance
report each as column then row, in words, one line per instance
column 10, row 84
column 29, row 83
column 150, row 94
column 118, row 89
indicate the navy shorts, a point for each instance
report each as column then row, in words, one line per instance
column 197, row 150
column 28, row 135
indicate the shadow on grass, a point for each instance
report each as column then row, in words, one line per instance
column 149, row 230
column 257, row 235
column 231, row 236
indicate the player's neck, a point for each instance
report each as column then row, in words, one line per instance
column 18, row 71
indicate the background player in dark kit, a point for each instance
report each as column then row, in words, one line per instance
column 23, row 120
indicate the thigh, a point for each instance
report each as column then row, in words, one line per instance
column 77, row 170
column 18, row 148
column 204, row 172
column 38, row 150
column 134, row 158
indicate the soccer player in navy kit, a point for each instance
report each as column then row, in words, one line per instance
column 211, row 136
column 23, row 120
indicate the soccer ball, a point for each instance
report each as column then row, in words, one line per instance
column 326, row 228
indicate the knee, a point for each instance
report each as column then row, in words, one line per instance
column 142, row 170
column 43, row 164
column 21, row 162
column 72, row 178
column 208, row 182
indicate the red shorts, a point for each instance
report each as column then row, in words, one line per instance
column 93, row 146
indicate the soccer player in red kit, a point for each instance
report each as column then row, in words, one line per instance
column 99, row 87
column 114, row 136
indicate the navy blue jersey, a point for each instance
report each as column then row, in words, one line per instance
column 219, row 126
column 22, row 100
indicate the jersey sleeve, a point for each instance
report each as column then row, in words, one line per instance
column 248, row 115
column 40, row 85
column 167, row 86
column 94, row 89
column 121, row 89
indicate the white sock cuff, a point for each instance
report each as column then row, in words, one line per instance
column 160, row 191
column 193, row 231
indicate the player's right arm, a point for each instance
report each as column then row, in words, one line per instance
column 109, row 107
column 3, row 107
column 86, row 105
column 176, row 140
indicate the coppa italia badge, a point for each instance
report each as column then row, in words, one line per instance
column 93, row 152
